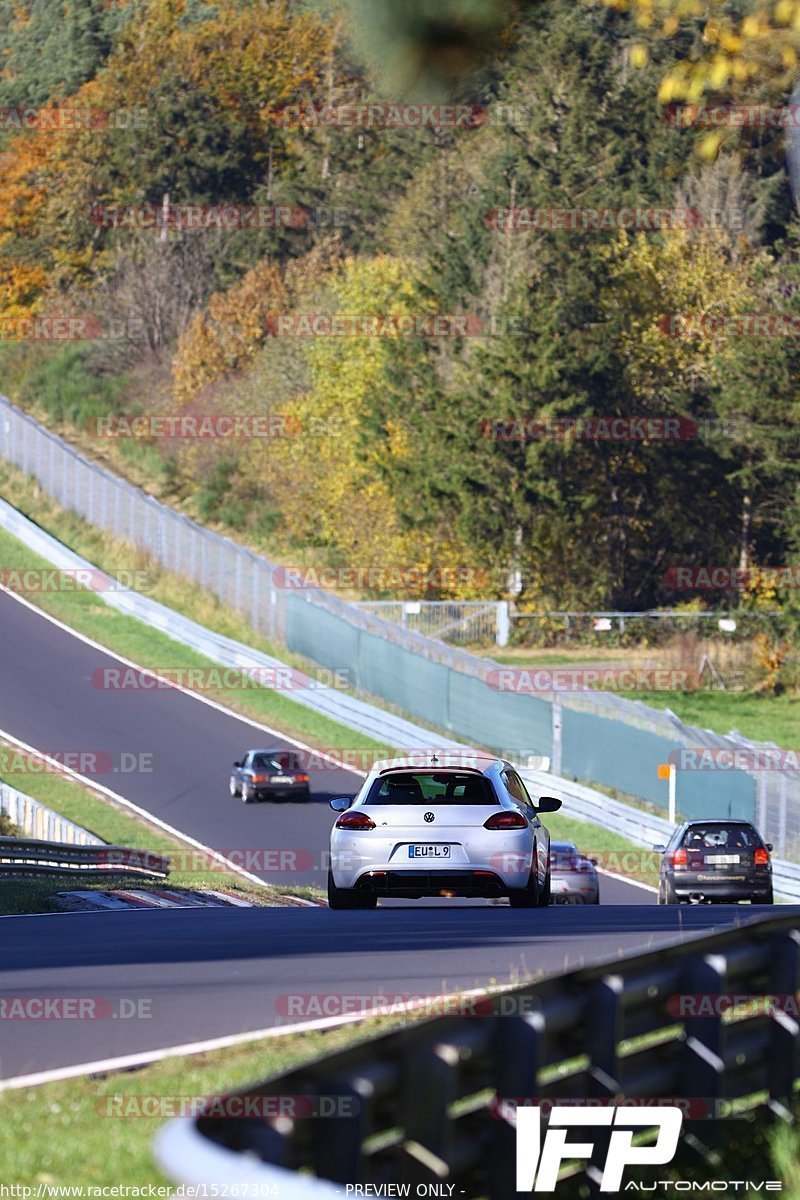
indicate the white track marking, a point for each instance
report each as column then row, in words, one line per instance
column 82, row 637
column 123, row 1062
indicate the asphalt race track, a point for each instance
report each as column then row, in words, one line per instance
column 206, row 974
column 49, row 701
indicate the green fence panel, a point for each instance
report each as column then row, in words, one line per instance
column 503, row 721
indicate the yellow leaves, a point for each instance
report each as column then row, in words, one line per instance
column 760, row 45
column 657, row 287
column 342, row 442
column 709, row 145
column 400, row 440
column 639, row 56
column 230, row 334
column 719, row 71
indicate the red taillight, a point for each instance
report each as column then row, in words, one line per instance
column 679, row 858
column 761, row 858
column 355, row 820
column 506, row 820
column 260, row 778
column 301, row 779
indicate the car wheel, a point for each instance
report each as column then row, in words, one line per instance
column 544, row 896
column 768, row 899
column 348, row 897
column 247, row 795
column 527, row 897
column 232, row 788
column 666, row 893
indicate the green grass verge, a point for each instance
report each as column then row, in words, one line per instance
column 763, row 718
column 57, row 1133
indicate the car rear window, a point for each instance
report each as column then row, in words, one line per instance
column 721, row 837
column 424, row 787
column 563, row 855
column 276, row 762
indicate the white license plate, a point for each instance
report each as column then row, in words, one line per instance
column 282, row 779
column 428, row 851
column 722, row 860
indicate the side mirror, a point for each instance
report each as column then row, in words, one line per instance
column 547, row 804
column 659, row 849
column 769, row 846
column 237, row 764
column 593, row 861
column 341, row 803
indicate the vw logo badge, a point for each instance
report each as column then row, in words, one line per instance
column 429, row 817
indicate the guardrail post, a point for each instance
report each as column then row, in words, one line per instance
column 783, row 1061
column 703, row 1065
column 555, row 755
column 518, row 1053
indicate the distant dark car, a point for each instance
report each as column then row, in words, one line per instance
column 573, row 875
column 715, row 861
column 268, row 775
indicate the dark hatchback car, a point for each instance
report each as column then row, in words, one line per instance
column 269, row 774
column 715, row 861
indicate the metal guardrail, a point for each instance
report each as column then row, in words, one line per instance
column 38, row 821
column 426, row 1102
column 29, row 856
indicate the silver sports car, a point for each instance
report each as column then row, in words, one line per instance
column 574, row 878
column 440, row 830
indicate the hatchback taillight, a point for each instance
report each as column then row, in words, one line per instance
column 260, row 778
column 679, row 858
column 506, row 820
column 355, row 820
column 301, row 779
column 761, row 858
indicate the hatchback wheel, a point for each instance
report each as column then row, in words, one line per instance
column 233, row 789
column 544, row 898
column 247, row 794
column 527, row 897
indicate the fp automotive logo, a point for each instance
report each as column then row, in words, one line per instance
column 538, row 1164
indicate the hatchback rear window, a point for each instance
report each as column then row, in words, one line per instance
column 440, row 787
column 721, row 837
